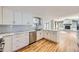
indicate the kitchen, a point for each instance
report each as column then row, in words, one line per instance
column 21, row 27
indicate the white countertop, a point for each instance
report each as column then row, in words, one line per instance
column 12, row 33
column 6, row 34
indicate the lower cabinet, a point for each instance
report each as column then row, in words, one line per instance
column 54, row 36
column 39, row 35
column 50, row 35
column 20, row 40
column 15, row 41
column 8, row 43
column 47, row 35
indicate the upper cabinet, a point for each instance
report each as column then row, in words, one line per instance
column 12, row 17
column 27, row 19
column 7, row 16
column 0, row 15
column 24, row 17
column 17, row 18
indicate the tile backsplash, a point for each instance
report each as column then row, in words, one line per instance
column 5, row 28
column 15, row 28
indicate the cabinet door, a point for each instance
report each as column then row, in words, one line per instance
column 15, row 43
column 45, row 34
column 7, row 16
column 27, row 19
column 25, row 39
column 42, row 34
column 53, row 37
column 49, row 35
column 24, row 17
column 39, row 35
column 0, row 15
column 20, row 40
column 8, row 43
column 17, row 18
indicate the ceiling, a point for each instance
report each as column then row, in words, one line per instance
column 48, row 11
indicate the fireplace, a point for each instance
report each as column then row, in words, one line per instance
column 67, row 27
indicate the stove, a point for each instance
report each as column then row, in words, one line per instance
column 1, row 44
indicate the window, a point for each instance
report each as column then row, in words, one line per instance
column 37, row 22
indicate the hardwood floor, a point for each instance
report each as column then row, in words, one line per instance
column 40, row 46
column 67, row 42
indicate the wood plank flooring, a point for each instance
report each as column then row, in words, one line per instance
column 68, row 42
column 40, row 46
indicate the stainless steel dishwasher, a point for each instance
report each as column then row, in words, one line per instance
column 32, row 37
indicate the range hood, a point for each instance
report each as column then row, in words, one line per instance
column 67, row 21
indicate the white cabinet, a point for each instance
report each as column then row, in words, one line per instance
column 27, row 19
column 20, row 40
column 0, row 15
column 13, row 17
column 39, row 35
column 24, row 17
column 47, row 35
column 17, row 18
column 8, row 43
column 7, row 16
column 50, row 35
column 43, row 34
column 16, row 42
column 23, row 39
column 54, row 36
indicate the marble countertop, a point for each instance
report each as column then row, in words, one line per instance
column 6, row 34
column 12, row 33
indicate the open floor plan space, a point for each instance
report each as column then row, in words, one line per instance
column 39, row 28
